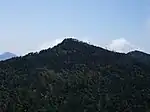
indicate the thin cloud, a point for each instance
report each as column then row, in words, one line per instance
column 121, row 45
column 52, row 43
column 49, row 44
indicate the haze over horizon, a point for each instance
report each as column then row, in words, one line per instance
column 28, row 26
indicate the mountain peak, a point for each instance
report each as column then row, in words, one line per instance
column 70, row 40
column 7, row 55
column 136, row 52
column 69, row 43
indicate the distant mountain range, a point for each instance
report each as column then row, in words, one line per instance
column 6, row 55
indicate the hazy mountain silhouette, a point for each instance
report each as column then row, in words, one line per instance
column 6, row 55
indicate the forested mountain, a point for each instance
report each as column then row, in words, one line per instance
column 7, row 55
column 140, row 56
column 75, row 77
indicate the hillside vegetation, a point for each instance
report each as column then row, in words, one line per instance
column 76, row 77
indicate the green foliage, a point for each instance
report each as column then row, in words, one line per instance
column 75, row 77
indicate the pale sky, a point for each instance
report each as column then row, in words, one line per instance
column 32, row 25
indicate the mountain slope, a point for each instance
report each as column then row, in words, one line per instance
column 74, row 77
column 7, row 55
column 141, row 56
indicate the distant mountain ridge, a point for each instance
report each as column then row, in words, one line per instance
column 6, row 55
column 140, row 56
